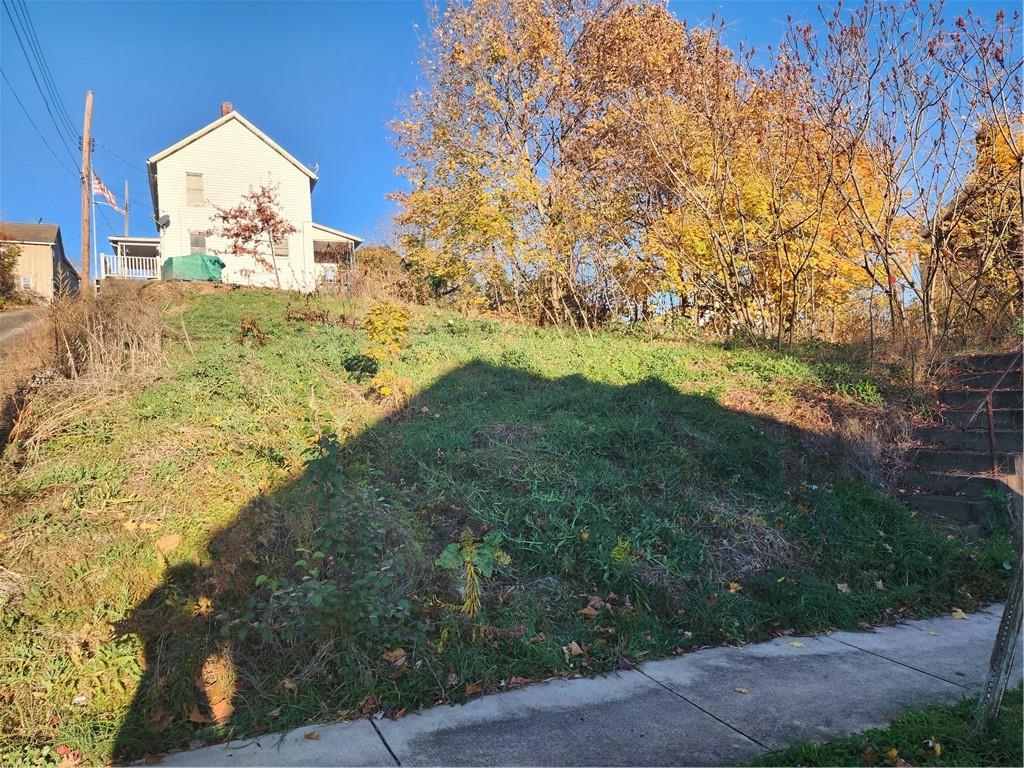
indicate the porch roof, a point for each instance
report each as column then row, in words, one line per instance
column 331, row 235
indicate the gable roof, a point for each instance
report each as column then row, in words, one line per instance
column 217, row 124
column 26, row 232
column 210, row 127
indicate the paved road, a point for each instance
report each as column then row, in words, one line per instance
column 721, row 706
column 14, row 322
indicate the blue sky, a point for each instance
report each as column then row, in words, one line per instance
column 159, row 71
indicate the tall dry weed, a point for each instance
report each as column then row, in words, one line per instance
column 85, row 353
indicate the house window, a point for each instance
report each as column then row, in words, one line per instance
column 197, row 242
column 26, row 282
column 281, row 247
column 194, row 189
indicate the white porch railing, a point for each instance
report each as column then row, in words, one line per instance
column 129, row 267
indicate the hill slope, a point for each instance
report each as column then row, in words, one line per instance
column 261, row 535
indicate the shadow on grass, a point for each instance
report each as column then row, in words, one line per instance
column 692, row 523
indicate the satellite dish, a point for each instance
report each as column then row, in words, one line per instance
column 163, row 222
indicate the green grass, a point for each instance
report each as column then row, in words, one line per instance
column 671, row 479
column 936, row 735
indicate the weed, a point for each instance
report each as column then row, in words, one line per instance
column 251, row 331
column 476, row 560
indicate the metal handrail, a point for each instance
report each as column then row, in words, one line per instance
column 986, row 404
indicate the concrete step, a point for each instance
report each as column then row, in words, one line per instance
column 958, row 508
column 969, row 399
column 1007, row 440
column 1011, row 419
column 986, row 380
column 994, row 361
column 952, row 484
column 967, row 462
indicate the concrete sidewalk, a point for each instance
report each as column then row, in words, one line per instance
column 721, row 706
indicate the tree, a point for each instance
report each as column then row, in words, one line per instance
column 254, row 227
column 901, row 97
column 9, row 253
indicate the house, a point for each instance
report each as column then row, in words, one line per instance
column 214, row 167
column 42, row 268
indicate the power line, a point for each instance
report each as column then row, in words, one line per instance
column 130, row 164
column 33, row 38
column 46, row 101
column 40, row 133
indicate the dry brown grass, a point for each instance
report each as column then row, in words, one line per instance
column 81, row 356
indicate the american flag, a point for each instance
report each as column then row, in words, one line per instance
column 99, row 188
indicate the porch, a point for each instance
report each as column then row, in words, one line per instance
column 134, row 258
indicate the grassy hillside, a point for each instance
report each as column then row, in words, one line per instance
column 262, row 535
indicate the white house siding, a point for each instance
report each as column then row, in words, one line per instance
column 233, row 160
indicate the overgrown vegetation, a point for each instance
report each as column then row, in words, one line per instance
column 936, row 735
column 859, row 179
column 250, row 537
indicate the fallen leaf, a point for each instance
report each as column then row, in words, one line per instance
column 368, row 703
column 891, row 756
column 473, row 689
column 79, row 700
column 204, row 606
column 395, row 656
column 625, row 663
column 688, row 635
column 574, row 648
column 879, row 584
column 734, row 587
column 585, row 536
column 196, row 716
column 868, row 756
column 518, row 682
column 276, row 711
column 796, row 644
column 168, row 543
column 741, row 690
column 289, row 684
column 843, row 587
column 956, row 613
column 311, row 735
column 399, row 714
column 160, row 718
column 222, row 711
column 589, row 612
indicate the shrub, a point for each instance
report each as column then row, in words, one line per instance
column 387, row 325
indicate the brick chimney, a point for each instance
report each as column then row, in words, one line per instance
column 226, row 107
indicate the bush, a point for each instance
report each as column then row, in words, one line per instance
column 387, row 325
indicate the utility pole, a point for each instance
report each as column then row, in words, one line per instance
column 86, row 190
column 127, row 207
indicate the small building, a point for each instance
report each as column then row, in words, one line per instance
column 213, row 168
column 42, row 269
